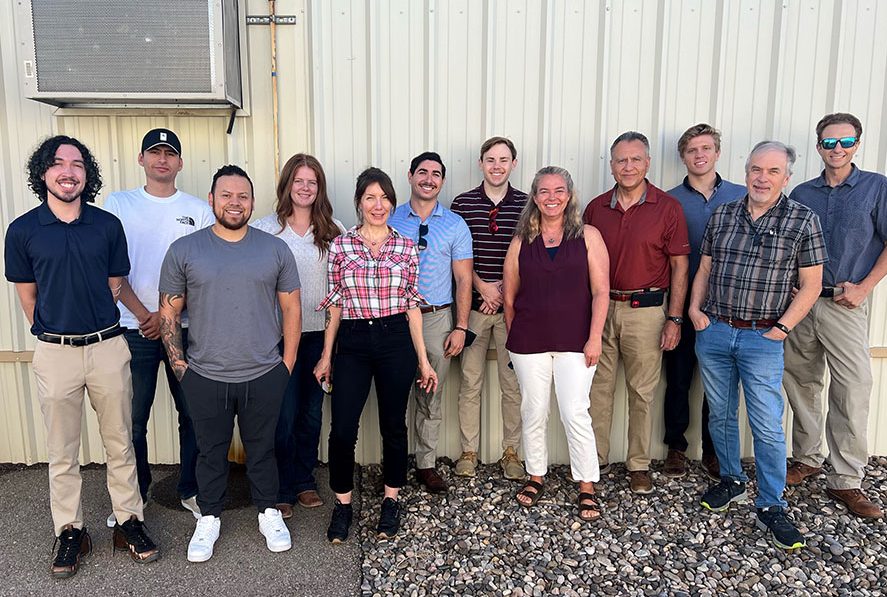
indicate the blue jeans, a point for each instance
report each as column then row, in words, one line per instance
column 298, row 428
column 147, row 355
column 728, row 356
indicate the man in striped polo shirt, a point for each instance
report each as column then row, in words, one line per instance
column 491, row 211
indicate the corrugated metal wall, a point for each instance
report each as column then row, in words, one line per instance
column 374, row 83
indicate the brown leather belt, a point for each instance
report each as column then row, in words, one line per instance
column 747, row 324
column 434, row 308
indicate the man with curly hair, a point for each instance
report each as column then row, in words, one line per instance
column 67, row 260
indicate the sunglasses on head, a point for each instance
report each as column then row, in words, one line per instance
column 832, row 142
column 423, row 242
column 494, row 227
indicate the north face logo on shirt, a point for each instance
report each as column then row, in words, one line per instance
column 186, row 220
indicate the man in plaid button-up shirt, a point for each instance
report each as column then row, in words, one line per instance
column 754, row 252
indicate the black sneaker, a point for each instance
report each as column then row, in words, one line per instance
column 389, row 521
column 74, row 544
column 718, row 497
column 340, row 522
column 782, row 532
column 131, row 536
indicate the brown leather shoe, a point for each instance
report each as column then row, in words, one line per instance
column 641, row 482
column 431, row 479
column 856, row 501
column 675, row 464
column 711, row 466
column 798, row 471
column 310, row 499
column 286, row 510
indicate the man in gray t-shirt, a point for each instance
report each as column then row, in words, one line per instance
column 233, row 278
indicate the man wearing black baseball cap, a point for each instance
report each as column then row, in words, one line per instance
column 153, row 216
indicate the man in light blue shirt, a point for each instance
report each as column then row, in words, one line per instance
column 701, row 192
column 445, row 254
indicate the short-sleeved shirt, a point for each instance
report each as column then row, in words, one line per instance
column 854, row 221
column 490, row 237
column 754, row 264
column 448, row 240
column 368, row 287
column 642, row 240
column 231, row 291
column 697, row 210
column 70, row 263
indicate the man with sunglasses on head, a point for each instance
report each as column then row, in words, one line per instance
column 445, row 254
column 491, row 211
column 852, row 205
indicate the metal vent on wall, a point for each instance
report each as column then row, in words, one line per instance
column 133, row 51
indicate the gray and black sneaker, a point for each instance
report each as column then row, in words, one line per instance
column 389, row 521
column 719, row 497
column 74, row 545
column 782, row 532
column 340, row 522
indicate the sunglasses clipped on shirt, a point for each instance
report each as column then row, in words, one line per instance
column 831, row 142
column 423, row 232
column 494, row 227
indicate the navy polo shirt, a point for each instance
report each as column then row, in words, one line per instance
column 71, row 264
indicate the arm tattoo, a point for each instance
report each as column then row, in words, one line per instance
column 171, row 334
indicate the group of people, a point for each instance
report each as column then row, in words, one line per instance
column 258, row 321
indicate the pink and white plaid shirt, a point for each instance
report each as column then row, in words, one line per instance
column 368, row 287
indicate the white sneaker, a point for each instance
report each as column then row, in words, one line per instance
column 200, row 548
column 191, row 504
column 112, row 521
column 277, row 536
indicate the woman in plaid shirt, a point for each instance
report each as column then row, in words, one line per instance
column 375, row 327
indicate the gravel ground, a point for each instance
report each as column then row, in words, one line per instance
column 478, row 541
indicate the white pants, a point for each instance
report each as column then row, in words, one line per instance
column 572, row 382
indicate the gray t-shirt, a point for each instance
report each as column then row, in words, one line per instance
column 231, row 292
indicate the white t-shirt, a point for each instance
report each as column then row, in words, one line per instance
column 312, row 268
column 151, row 224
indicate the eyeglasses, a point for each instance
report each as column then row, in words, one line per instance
column 423, row 242
column 494, row 227
column 831, row 142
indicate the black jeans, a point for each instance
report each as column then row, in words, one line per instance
column 213, row 406
column 379, row 350
column 680, row 364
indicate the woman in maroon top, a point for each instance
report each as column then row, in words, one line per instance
column 556, row 297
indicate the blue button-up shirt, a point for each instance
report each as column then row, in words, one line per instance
column 698, row 209
column 854, row 220
column 448, row 240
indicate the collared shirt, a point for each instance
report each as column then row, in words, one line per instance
column 642, row 240
column 448, row 240
column 698, row 209
column 854, row 220
column 70, row 263
column 490, row 237
column 368, row 287
column 754, row 264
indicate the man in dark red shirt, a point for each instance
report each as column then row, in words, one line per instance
column 646, row 237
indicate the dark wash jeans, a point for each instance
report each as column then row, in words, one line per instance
column 298, row 428
column 147, row 355
column 680, row 364
column 213, row 406
column 379, row 350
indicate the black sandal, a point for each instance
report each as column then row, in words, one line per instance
column 532, row 495
column 587, row 502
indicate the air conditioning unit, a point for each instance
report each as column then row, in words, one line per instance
column 131, row 52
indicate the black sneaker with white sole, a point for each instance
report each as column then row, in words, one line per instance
column 340, row 522
column 782, row 531
column 719, row 497
column 389, row 520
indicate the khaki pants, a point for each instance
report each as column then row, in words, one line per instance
column 62, row 373
column 839, row 336
column 474, row 363
column 633, row 334
column 435, row 329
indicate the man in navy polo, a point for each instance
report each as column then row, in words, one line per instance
column 700, row 193
column 67, row 260
column 445, row 253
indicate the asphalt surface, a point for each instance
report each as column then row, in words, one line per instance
column 241, row 564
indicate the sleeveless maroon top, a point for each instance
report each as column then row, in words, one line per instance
column 552, row 309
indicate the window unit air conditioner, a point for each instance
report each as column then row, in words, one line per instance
column 132, row 52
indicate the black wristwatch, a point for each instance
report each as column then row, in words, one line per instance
column 675, row 320
column 782, row 327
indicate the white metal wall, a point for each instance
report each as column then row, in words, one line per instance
column 375, row 83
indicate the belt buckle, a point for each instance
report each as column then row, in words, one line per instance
column 730, row 321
